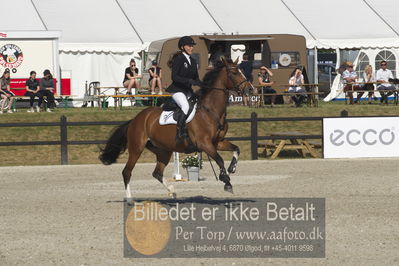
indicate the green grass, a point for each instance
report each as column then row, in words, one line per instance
column 82, row 154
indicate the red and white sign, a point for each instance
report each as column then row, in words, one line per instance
column 11, row 56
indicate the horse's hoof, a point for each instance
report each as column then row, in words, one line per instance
column 130, row 201
column 228, row 188
column 173, row 195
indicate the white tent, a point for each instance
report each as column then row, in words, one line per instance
column 255, row 17
column 340, row 24
column 100, row 37
column 159, row 19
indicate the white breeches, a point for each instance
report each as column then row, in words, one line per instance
column 181, row 100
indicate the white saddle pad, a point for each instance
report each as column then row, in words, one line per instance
column 166, row 117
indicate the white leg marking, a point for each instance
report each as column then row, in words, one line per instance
column 128, row 194
column 170, row 188
column 235, row 155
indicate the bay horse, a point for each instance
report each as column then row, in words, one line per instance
column 206, row 131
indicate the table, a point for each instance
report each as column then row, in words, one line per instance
column 310, row 93
column 288, row 141
column 117, row 91
column 120, row 97
column 395, row 92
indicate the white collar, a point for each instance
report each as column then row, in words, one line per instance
column 187, row 57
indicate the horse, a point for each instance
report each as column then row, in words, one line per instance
column 206, row 131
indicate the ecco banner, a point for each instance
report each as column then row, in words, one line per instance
column 361, row 137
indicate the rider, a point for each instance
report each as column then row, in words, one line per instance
column 184, row 75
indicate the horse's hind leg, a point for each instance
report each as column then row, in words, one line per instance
column 135, row 149
column 226, row 145
column 163, row 158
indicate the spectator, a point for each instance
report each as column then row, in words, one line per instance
column 32, row 88
column 130, row 80
column 350, row 76
column 245, row 97
column 264, row 80
column 295, row 81
column 246, row 67
column 383, row 75
column 155, row 77
column 368, row 78
column 46, row 85
column 5, row 91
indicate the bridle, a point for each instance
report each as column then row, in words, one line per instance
column 236, row 87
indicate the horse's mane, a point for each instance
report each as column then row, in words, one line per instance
column 212, row 74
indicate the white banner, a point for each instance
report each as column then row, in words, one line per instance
column 361, row 137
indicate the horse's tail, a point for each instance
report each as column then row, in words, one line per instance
column 116, row 144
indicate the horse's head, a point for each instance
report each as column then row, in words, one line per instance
column 235, row 78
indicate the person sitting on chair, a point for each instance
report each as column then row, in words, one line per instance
column 5, row 92
column 383, row 75
column 155, row 77
column 264, row 80
column 47, row 86
column 295, row 81
column 368, row 78
column 32, row 88
column 350, row 76
column 130, row 79
column 184, row 76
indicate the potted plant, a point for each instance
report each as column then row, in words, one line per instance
column 193, row 164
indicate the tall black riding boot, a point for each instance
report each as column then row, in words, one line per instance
column 181, row 133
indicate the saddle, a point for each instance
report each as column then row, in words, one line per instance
column 171, row 110
column 171, row 105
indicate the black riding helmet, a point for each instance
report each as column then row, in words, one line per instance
column 185, row 40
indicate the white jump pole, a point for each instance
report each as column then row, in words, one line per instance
column 176, row 165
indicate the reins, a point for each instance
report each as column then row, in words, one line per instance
column 213, row 169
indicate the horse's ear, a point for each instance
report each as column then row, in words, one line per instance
column 236, row 61
column 224, row 61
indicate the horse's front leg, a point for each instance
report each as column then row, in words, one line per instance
column 209, row 148
column 226, row 145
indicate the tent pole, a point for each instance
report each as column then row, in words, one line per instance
column 338, row 58
column 316, row 76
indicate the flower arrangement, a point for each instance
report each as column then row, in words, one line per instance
column 192, row 161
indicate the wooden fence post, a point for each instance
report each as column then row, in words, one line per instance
column 254, row 136
column 64, row 140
